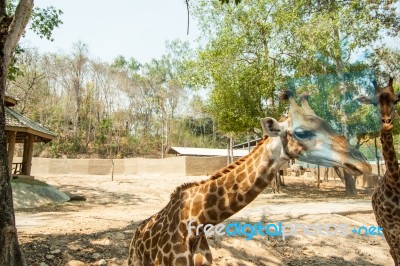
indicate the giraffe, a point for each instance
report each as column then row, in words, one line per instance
column 386, row 197
column 164, row 238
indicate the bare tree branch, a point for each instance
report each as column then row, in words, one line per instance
column 188, row 16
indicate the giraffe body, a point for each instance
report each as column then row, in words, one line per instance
column 164, row 239
column 386, row 197
column 225, row 193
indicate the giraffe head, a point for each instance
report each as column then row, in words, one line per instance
column 307, row 137
column 386, row 98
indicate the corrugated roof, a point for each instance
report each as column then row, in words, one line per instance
column 15, row 119
column 245, row 144
column 205, row 152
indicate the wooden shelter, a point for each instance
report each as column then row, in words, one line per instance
column 20, row 129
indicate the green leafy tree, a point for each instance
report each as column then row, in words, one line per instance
column 42, row 22
column 321, row 39
column 238, row 62
column 263, row 43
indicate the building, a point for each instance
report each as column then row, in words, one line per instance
column 186, row 151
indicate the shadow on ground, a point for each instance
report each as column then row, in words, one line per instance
column 110, row 245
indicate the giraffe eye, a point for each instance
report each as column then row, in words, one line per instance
column 302, row 134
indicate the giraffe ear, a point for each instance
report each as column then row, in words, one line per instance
column 398, row 97
column 271, row 127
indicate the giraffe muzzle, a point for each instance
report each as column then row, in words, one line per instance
column 357, row 163
column 387, row 126
column 353, row 169
column 387, row 123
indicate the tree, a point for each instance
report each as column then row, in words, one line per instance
column 30, row 82
column 254, row 47
column 384, row 62
column 321, row 39
column 74, row 70
column 11, row 29
column 241, row 66
column 13, row 21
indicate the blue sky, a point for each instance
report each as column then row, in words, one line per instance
column 132, row 28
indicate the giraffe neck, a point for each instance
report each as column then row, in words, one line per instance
column 391, row 163
column 228, row 191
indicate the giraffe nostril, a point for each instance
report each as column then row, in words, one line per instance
column 387, row 121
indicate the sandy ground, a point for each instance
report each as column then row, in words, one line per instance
column 98, row 231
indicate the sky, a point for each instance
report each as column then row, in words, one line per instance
column 132, row 28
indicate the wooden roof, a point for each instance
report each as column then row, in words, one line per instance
column 10, row 100
column 23, row 126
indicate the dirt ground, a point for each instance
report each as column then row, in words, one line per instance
column 98, row 231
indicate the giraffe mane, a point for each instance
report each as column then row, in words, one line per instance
column 227, row 169
column 182, row 187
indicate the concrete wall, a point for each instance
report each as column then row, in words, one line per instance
column 177, row 166
column 368, row 181
column 204, row 165
column 132, row 166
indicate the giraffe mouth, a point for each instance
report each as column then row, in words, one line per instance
column 353, row 169
column 387, row 127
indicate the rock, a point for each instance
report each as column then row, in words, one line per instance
column 35, row 193
column 56, row 251
column 114, row 236
column 96, row 256
column 75, row 263
column 118, row 236
column 102, row 262
column 43, row 264
column 76, row 197
column 106, row 242
column 50, row 257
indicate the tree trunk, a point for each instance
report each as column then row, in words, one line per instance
column 11, row 29
column 326, row 174
column 248, row 141
column 350, row 183
column 214, row 135
column 10, row 252
column 349, row 180
column 112, row 161
column 78, row 101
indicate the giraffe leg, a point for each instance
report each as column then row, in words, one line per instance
column 393, row 240
column 395, row 256
column 133, row 259
column 201, row 253
column 395, row 249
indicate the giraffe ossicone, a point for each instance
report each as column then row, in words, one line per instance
column 163, row 239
